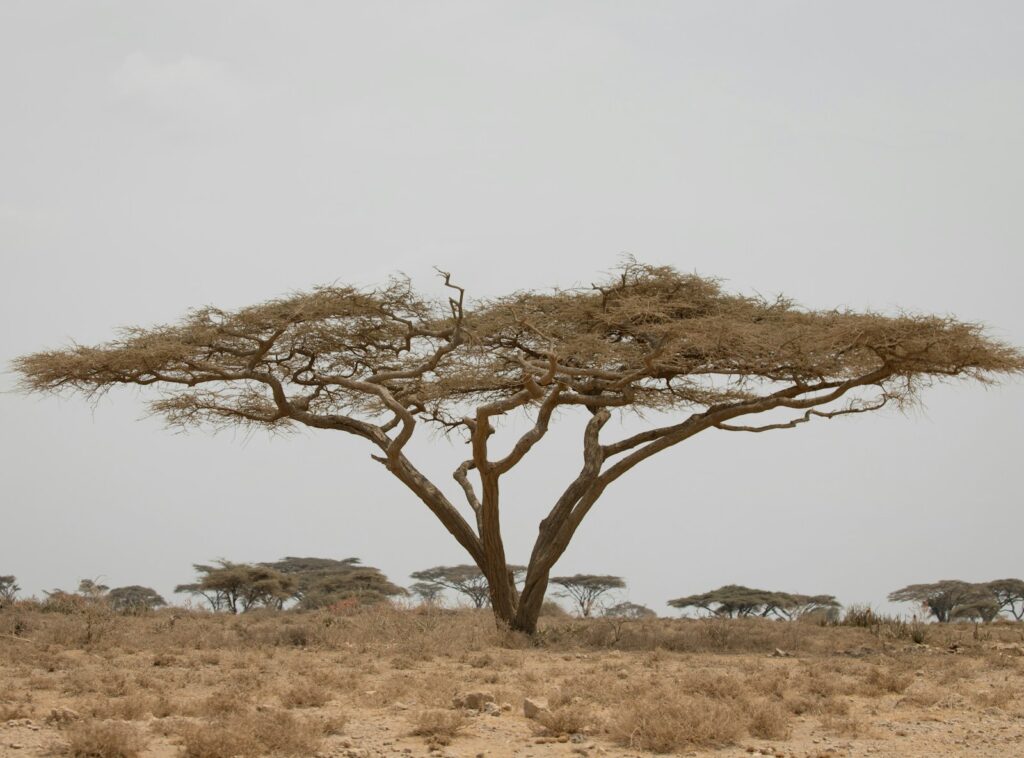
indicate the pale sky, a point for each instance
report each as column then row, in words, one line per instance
column 159, row 156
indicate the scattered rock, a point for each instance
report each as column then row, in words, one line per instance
column 491, row 709
column 472, row 700
column 535, row 708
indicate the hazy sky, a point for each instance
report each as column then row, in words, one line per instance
column 158, row 156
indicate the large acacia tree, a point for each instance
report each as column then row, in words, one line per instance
column 381, row 364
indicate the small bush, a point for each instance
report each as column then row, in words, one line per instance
column 305, row 695
column 104, row 739
column 439, row 727
column 769, row 721
column 665, row 724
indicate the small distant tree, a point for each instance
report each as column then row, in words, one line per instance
column 236, row 587
column 428, row 592
column 134, row 599
column 950, row 599
column 629, row 610
column 92, row 589
column 732, row 601
column 795, row 606
column 466, row 580
column 9, row 589
column 587, row 590
column 320, row 582
column 1009, row 594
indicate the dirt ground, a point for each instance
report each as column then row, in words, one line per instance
column 381, row 682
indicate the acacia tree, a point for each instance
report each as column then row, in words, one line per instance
column 628, row 610
column 238, row 587
column 134, row 599
column 587, row 590
column 379, row 364
column 1009, row 594
column 466, row 580
column 319, row 582
column 950, row 599
column 732, row 601
column 9, row 589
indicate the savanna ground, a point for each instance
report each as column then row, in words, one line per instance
column 381, row 682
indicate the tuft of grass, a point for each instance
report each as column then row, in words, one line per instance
column 439, row 727
column 769, row 721
column 305, row 695
column 104, row 739
column 664, row 723
column 249, row 735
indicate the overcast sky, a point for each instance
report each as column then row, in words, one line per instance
column 158, row 156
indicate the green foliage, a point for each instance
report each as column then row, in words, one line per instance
column 9, row 589
column 134, row 599
column 235, row 587
column 321, row 582
column 587, row 590
column 630, row 611
column 466, row 580
column 951, row 599
column 737, row 601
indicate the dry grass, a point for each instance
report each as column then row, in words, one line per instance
column 439, row 727
column 250, row 734
column 664, row 724
column 217, row 686
column 104, row 739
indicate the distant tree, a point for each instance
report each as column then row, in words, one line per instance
column 319, row 582
column 134, row 599
column 9, row 589
column 1009, row 594
column 629, row 611
column 466, row 580
column 238, row 587
column 950, row 599
column 732, row 601
column 793, row 606
column 737, row 601
column 428, row 592
column 92, row 589
column 382, row 364
column 587, row 590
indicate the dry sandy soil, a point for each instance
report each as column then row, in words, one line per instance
column 381, row 682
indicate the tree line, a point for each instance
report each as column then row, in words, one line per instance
column 314, row 583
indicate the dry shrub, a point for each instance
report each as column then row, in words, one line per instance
column 222, row 703
column 104, row 739
column 250, row 734
column 305, row 695
column 332, row 723
column 439, row 727
column 10, row 711
column 571, row 718
column 714, row 685
column 664, row 723
column 769, row 721
column 998, row 696
column 885, row 681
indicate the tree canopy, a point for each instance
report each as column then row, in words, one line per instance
column 320, row 582
column 736, row 601
column 628, row 610
column 378, row 363
column 587, row 590
column 235, row 587
column 950, row 599
column 134, row 599
column 466, row 580
column 9, row 589
column 1009, row 594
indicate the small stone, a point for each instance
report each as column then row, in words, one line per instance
column 472, row 700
